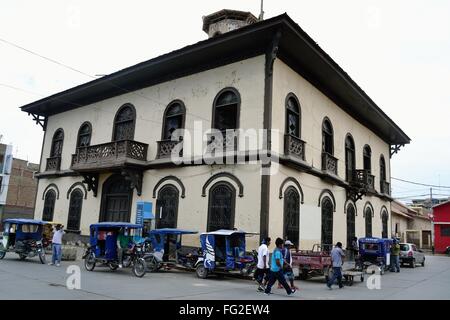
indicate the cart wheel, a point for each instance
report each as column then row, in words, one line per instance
column 139, row 268
column 42, row 257
column 201, row 271
column 350, row 281
column 2, row 254
column 113, row 266
column 89, row 262
column 22, row 256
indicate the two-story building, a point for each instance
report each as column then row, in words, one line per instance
column 319, row 171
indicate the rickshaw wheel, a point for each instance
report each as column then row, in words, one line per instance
column 42, row 257
column 113, row 266
column 89, row 262
column 139, row 268
column 2, row 254
column 153, row 265
column 201, row 271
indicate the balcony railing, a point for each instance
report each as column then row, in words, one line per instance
column 329, row 163
column 364, row 179
column 165, row 148
column 226, row 141
column 108, row 154
column 53, row 164
column 294, row 146
column 385, row 187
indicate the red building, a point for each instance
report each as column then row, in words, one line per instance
column 441, row 221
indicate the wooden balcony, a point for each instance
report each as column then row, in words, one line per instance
column 165, row 148
column 225, row 142
column 363, row 179
column 109, row 155
column 53, row 164
column 294, row 146
column 385, row 188
column 329, row 163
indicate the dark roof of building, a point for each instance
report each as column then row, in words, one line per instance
column 296, row 49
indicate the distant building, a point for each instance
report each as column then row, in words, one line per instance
column 441, row 225
column 5, row 171
column 18, row 186
column 411, row 224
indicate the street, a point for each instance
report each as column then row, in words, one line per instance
column 31, row 280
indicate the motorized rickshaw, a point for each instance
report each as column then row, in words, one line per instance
column 24, row 237
column 103, row 247
column 374, row 252
column 223, row 252
column 167, row 250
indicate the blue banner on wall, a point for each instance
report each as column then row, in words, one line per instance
column 144, row 211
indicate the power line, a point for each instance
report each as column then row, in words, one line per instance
column 420, row 184
column 93, row 77
column 45, row 58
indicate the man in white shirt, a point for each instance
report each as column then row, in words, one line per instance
column 262, row 268
column 56, row 245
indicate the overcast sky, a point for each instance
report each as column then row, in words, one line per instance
column 397, row 51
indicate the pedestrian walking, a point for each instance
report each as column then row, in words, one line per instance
column 276, row 269
column 287, row 265
column 56, row 245
column 337, row 256
column 395, row 256
column 262, row 268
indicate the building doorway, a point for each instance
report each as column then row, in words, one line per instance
column 116, row 200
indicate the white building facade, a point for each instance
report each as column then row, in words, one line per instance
column 320, row 175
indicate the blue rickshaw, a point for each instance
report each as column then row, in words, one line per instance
column 223, row 252
column 103, row 249
column 168, row 251
column 24, row 237
column 374, row 252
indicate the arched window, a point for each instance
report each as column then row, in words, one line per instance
column 226, row 110
column 84, row 135
column 167, row 207
column 291, row 219
column 57, row 143
column 173, row 119
column 221, row 207
column 293, row 116
column 75, row 206
column 384, row 222
column 368, row 219
column 327, row 223
column 367, row 154
column 124, row 123
column 382, row 169
column 350, row 165
column 327, row 137
column 49, row 205
column 350, row 224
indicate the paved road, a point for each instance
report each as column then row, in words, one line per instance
column 31, row 280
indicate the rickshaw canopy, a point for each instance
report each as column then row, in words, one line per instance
column 116, row 225
column 172, row 231
column 25, row 221
column 223, row 232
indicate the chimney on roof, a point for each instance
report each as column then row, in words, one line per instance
column 225, row 20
